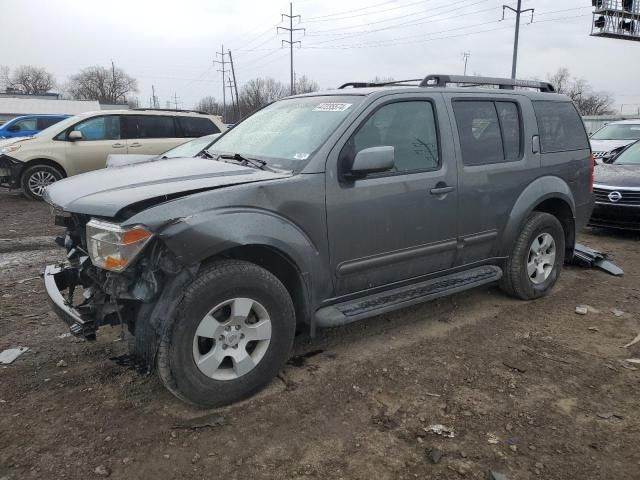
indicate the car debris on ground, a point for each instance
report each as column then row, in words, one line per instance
column 8, row 356
column 441, row 430
column 589, row 258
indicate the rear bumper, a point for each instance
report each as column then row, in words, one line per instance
column 625, row 217
column 56, row 279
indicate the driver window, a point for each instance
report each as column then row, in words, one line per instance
column 100, row 128
column 25, row 125
column 409, row 127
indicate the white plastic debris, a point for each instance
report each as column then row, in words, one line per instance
column 633, row 360
column 633, row 342
column 617, row 312
column 441, row 430
column 9, row 355
column 582, row 309
column 492, row 439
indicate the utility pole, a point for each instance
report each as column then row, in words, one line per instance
column 235, row 86
column 155, row 103
column 113, row 84
column 222, row 61
column 233, row 103
column 291, row 16
column 465, row 56
column 175, row 99
column 517, row 11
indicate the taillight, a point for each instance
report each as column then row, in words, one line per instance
column 593, row 167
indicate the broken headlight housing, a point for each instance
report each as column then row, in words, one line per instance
column 113, row 247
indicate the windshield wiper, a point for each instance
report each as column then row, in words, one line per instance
column 253, row 162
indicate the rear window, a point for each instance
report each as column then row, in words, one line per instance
column 191, row 127
column 150, row 126
column 560, row 127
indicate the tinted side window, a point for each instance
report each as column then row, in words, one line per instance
column 479, row 132
column 99, row 128
column 410, row 127
column 510, row 127
column 191, row 127
column 150, row 126
column 560, row 127
column 46, row 122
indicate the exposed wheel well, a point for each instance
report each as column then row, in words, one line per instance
column 43, row 161
column 562, row 211
column 282, row 267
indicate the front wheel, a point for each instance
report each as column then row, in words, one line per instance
column 537, row 257
column 234, row 330
column 36, row 178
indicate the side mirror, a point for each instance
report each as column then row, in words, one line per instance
column 75, row 135
column 372, row 160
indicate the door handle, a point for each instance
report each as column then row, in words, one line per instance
column 118, row 145
column 135, row 144
column 441, row 190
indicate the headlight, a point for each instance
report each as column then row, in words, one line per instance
column 10, row 148
column 112, row 247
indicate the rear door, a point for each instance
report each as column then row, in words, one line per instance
column 151, row 134
column 397, row 225
column 495, row 164
column 101, row 136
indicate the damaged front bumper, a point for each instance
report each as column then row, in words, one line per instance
column 56, row 280
column 10, row 171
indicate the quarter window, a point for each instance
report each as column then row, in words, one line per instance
column 489, row 132
column 99, row 128
column 560, row 127
column 409, row 127
column 191, row 127
column 150, row 126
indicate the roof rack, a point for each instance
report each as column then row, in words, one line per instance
column 503, row 83
column 397, row 83
column 169, row 110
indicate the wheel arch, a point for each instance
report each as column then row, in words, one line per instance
column 42, row 161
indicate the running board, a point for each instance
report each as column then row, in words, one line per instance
column 354, row 310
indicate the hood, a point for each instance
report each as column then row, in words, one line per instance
column 8, row 141
column 617, row 175
column 608, row 145
column 107, row 191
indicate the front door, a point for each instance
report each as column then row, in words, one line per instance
column 397, row 225
column 100, row 138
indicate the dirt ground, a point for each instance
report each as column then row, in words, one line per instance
column 529, row 389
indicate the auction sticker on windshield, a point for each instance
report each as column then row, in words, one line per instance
column 332, row 107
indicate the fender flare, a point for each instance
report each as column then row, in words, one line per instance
column 541, row 189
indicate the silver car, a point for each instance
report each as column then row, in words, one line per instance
column 613, row 137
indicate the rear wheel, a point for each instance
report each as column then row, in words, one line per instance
column 233, row 332
column 36, row 178
column 535, row 263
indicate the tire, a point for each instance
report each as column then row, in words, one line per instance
column 186, row 362
column 35, row 178
column 519, row 278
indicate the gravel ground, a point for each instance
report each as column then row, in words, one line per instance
column 528, row 389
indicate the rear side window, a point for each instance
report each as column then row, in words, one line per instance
column 191, row 127
column 150, row 126
column 46, row 122
column 560, row 127
column 24, row 125
column 490, row 132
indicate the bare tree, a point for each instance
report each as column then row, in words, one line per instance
column 259, row 92
column 579, row 90
column 31, row 80
column 209, row 105
column 305, row 85
column 4, row 78
column 106, row 85
column 379, row 79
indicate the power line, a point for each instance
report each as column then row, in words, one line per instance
column 291, row 42
column 366, row 14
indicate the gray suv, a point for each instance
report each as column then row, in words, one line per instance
column 319, row 210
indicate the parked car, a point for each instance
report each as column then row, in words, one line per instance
column 194, row 148
column 319, row 210
column 613, row 137
column 82, row 143
column 28, row 125
column 617, row 191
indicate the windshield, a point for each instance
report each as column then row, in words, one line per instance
column 631, row 156
column 620, row 131
column 192, row 148
column 288, row 132
column 57, row 127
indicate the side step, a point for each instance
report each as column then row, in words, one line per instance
column 351, row 311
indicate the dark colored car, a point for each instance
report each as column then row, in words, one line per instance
column 28, row 125
column 617, row 191
column 319, row 210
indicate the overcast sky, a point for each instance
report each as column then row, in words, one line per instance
column 172, row 45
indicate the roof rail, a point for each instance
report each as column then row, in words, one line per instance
column 503, row 83
column 168, row 110
column 399, row 83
